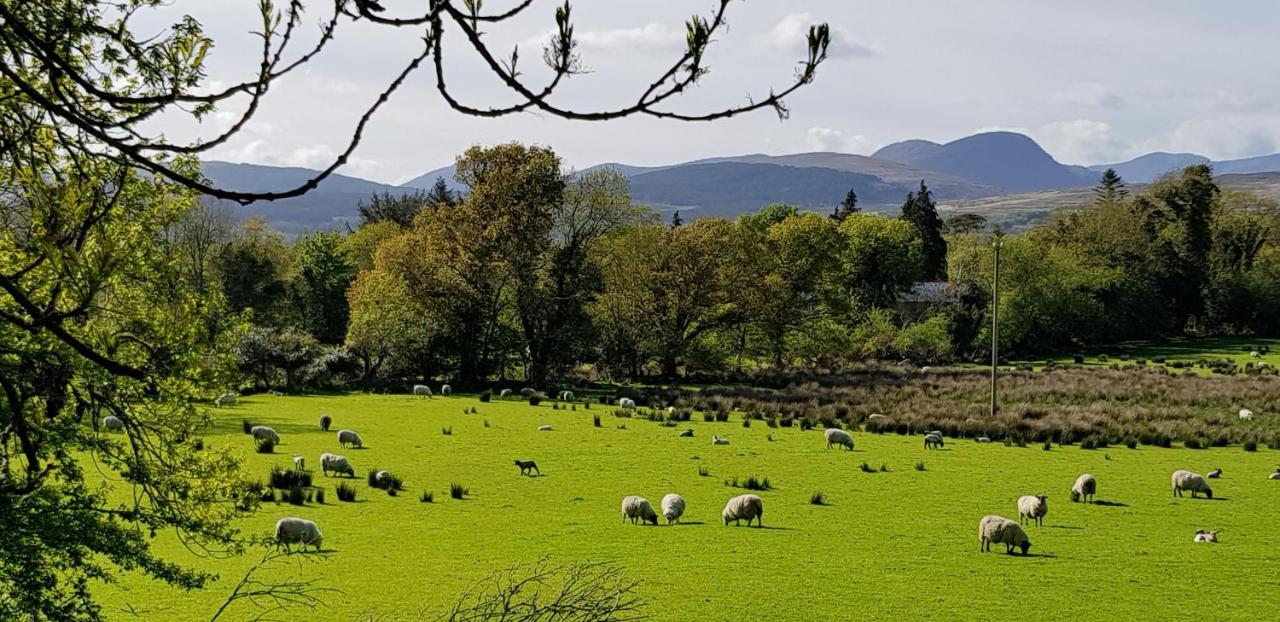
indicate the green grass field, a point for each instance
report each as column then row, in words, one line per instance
column 1237, row 349
column 900, row 544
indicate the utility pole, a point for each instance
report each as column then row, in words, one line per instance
column 995, row 318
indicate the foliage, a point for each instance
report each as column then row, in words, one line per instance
column 400, row 209
column 323, row 275
column 920, row 210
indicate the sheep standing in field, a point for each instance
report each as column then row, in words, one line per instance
column 716, row 440
column 350, row 438
column 1255, row 354
column 505, row 393
column 566, row 396
column 671, row 410
column 1084, row 488
column 545, row 428
column 382, row 479
column 264, row 433
column 325, row 422
column 337, row 464
column 422, row 390
column 1206, row 536
column 1275, row 475
column 1194, row 482
column 446, row 390
column 672, row 507
column 933, row 441
column 838, row 437
column 744, row 507
column 638, row 508
column 876, row 417
column 299, row 463
column 1245, row 413
column 1215, row 474
column 627, row 403
column 112, row 423
column 994, row 529
column 1033, row 508
column 686, row 434
column 292, row 530
column 528, row 467
column 226, row 399
column 527, row 391
column 983, row 439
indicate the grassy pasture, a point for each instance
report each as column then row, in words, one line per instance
column 900, row 544
column 1189, row 351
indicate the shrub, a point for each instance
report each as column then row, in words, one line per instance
column 595, row 420
column 866, row 468
column 586, row 404
column 486, row 422
column 248, row 427
column 320, row 496
column 486, row 396
column 1193, row 443
column 535, row 398
column 1102, row 358
column 458, row 491
column 817, row 499
column 703, row 471
column 447, row 431
column 746, row 422
column 286, row 479
column 345, row 492
column 1048, row 445
column 1131, row 442
column 295, row 496
column 920, row 466
column 884, row 468
column 708, row 417
column 372, row 478
column 268, row 495
column 1077, row 359
column 198, row 444
column 750, row 483
column 427, row 497
column 1158, row 360
column 1251, row 445
column 266, row 446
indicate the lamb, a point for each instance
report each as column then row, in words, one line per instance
column 325, row 422
column 422, row 389
column 672, row 507
column 527, row 467
column 299, row 463
column 686, row 434
column 226, row 399
column 627, row 403
column 836, row 436
column 112, row 423
column 634, row 508
column 291, row 530
column 1033, row 508
column 545, row 428
column 264, row 433
column 716, row 440
column 742, row 507
column 446, row 390
column 1206, row 536
column 1000, row 530
column 335, row 463
column 1084, row 488
column 1215, row 474
column 932, row 441
column 1194, row 482
column 349, row 437
column 1245, row 413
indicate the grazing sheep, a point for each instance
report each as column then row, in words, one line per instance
column 876, row 417
column 742, row 507
column 1255, row 354
column 545, row 428
column 112, row 423
column 349, row 437
column 836, row 436
column 527, row 467
column 1215, row 474
column 1206, row 536
column 638, row 508
column 1033, row 508
column 566, row 396
column 672, row 507
column 292, row 530
column 1275, row 475
column 446, row 390
column 277, row 393
column 382, row 479
column 1084, row 488
column 983, row 439
column 1194, row 482
column 686, row 434
column 627, row 403
column 716, row 440
column 671, row 410
column 933, row 441
column 264, row 433
column 422, row 390
column 505, row 393
column 933, row 433
column 527, row 391
column 1000, row 530
column 1245, row 413
column 325, row 422
column 226, row 399
column 299, row 463
column 335, row 463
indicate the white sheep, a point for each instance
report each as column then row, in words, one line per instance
column 1033, row 508
column 446, row 390
column 277, row 394
column 226, row 399
column 983, row 439
column 672, row 507
column 627, row 403
column 527, row 392
column 112, row 423
column 293, row 530
column 716, row 440
column 638, row 508
column 1215, row 474
column 299, row 463
column 1245, row 413
column 1255, row 354
column 1194, row 482
column 422, row 390
column 1084, row 488
column 545, row 428
column 1206, row 536
column 566, row 396
column 744, row 507
column 686, row 434
column 382, row 478
column 349, row 438
column 264, row 433
column 838, row 437
column 876, row 417
column 337, row 464
column 671, row 410
column 1275, row 475
column 1000, row 530
column 504, row 393
column 933, row 441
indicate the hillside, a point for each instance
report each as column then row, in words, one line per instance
column 732, row 188
column 1004, row 160
column 1145, row 169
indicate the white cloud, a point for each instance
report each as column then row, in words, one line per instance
column 790, row 35
column 1082, row 141
column 1224, row 138
column 1091, row 95
column 313, row 157
column 652, row 37
column 828, row 139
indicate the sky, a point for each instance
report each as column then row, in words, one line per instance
column 1092, row 81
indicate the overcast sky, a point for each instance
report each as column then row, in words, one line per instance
column 1093, row 81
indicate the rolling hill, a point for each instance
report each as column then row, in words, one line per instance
column 1145, row 169
column 1003, row 160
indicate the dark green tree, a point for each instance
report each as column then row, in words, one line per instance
column 398, row 208
column 1111, row 188
column 252, row 269
column 920, row 210
column 440, row 195
column 324, row 273
column 676, row 221
column 964, row 223
column 846, row 207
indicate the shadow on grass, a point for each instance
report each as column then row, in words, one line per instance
column 1110, row 504
column 683, row 523
column 1063, row 527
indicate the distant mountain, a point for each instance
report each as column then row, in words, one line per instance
column 1004, row 160
column 1146, row 169
column 1260, row 164
column 428, row 179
